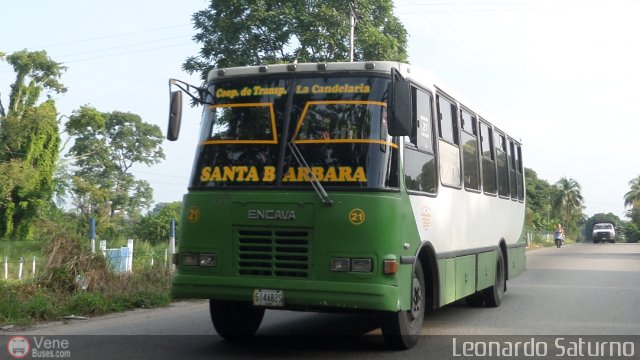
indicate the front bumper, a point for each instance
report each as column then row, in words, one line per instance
column 299, row 294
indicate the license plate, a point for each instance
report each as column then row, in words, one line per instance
column 268, row 297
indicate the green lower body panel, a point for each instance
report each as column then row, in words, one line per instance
column 486, row 270
column 517, row 261
column 465, row 276
column 297, row 293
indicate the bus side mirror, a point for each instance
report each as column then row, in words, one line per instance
column 175, row 115
column 399, row 106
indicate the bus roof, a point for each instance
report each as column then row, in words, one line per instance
column 378, row 66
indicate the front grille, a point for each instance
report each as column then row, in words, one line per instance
column 279, row 253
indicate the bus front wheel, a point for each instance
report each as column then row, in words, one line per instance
column 401, row 329
column 235, row 320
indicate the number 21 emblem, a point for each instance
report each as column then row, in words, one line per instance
column 356, row 216
column 194, row 214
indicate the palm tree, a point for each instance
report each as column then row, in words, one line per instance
column 632, row 198
column 568, row 201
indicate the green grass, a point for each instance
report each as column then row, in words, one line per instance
column 28, row 302
column 55, row 292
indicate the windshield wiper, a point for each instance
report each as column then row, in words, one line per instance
column 312, row 177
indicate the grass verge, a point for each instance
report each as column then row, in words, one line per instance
column 77, row 282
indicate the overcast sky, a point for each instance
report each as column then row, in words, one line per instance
column 560, row 75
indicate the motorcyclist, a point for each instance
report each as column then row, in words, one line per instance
column 559, row 235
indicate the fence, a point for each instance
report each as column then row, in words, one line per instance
column 538, row 236
column 23, row 268
column 119, row 259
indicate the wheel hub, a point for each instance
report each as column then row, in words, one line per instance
column 416, row 298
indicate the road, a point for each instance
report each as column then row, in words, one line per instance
column 581, row 290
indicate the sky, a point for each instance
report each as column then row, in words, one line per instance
column 561, row 76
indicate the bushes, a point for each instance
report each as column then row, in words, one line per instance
column 23, row 303
column 76, row 282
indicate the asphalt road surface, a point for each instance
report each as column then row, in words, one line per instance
column 582, row 292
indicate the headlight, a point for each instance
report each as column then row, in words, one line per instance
column 361, row 265
column 189, row 259
column 208, row 260
column 340, row 264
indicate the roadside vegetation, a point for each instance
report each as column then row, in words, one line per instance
column 562, row 203
column 75, row 281
column 48, row 192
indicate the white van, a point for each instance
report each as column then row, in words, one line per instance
column 604, row 232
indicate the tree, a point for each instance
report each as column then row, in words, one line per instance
column 631, row 232
column 632, row 200
column 243, row 32
column 29, row 141
column 155, row 225
column 568, row 202
column 35, row 72
column 539, row 195
column 106, row 146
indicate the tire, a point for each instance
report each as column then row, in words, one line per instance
column 493, row 295
column 401, row 329
column 475, row 300
column 235, row 320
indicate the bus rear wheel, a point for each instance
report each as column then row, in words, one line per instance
column 235, row 320
column 401, row 329
column 493, row 295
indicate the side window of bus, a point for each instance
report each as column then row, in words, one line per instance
column 488, row 159
column 448, row 149
column 470, row 160
column 519, row 168
column 501, row 161
column 447, row 120
column 420, row 163
column 513, row 182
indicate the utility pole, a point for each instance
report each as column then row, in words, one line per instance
column 352, row 24
column 92, row 234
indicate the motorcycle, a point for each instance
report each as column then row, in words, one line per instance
column 558, row 235
column 559, row 242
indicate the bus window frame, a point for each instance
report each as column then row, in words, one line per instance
column 456, row 131
column 492, row 152
column 512, row 163
column 500, row 135
column 455, row 134
column 520, row 172
column 410, row 146
column 475, row 132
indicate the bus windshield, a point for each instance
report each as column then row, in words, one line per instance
column 338, row 123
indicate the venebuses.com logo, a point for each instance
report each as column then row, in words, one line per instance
column 19, row 347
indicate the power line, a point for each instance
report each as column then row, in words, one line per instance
column 9, row 69
column 495, row 10
column 124, row 46
column 475, row 7
column 110, row 36
column 510, row 3
column 6, row 68
column 127, row 53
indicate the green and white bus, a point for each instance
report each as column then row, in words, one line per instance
column 363, row 186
